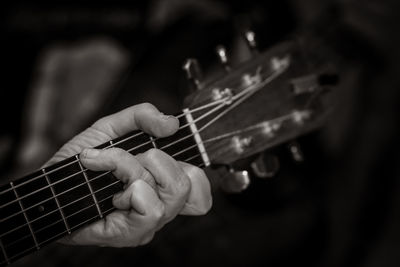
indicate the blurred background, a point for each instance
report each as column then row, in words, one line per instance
column 67, row 63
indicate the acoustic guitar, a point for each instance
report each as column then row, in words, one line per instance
column 268, row 100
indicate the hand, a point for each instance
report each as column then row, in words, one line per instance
column 157, row 188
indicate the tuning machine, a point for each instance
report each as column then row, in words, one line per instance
column 296, row 152
column 250, row 38
column 193, row 73
column 266, row 165
column 235, row 181
column 223, row 57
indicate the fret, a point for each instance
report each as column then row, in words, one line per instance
column 73, row 194
column 13, row 224
column 25, row 215
column 40, row 207
column 153, row 141
column 197, row 136
column 4, row 257
column 63, row 197
column 57, row 202
column 135, row 142
column 90, row 187
column 104, row 185
column 182, row 139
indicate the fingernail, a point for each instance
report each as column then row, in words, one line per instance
column 90, row 153
column 166, row 117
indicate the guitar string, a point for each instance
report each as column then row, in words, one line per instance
column 267, row 80
column 82, row 184
column 188, row 124
column 279, row 119
column 223, row 101
column 119, row 142
column 143, row 144
column 78, row 224
column 76, row 186
column 79, row 185
column 58, row 235
column 70, row 215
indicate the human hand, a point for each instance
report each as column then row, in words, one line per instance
column 157, row 188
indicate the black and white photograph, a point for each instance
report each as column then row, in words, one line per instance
column 200, row 133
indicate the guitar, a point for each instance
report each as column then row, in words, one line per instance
column 270, row 99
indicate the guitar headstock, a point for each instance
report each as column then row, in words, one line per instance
column 270, row 99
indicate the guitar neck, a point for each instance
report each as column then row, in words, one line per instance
column 57, row 200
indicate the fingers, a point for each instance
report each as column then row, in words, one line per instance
column 182, row 187
column 125, row 228
column 143, row 116
column 199, row 200
column 123, row 164
column 173, row 183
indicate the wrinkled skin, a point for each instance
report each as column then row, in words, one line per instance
column 157, row 188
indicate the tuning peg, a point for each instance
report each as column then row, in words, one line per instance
column 193, row 72
column 296, row 152
column 266, row 165
column 235, row 181
column 250, row 39
column 223, row 57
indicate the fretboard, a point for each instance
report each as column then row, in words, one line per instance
column 57, row 200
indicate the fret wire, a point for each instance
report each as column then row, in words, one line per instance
column 223, row 102
column 26, row 216
column 111, row 209
column 90, row 187
column 200, row 165
column 166, row 146
column 152, row 140
column 58, row 204
column 53, row 223
column 66, row 205
column 58, row 235
column 121, row 141
column 4, row 252
column 70, row 189
column 68, row 164
column 66, row 191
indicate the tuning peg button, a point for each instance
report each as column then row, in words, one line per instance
column 266, row 165
column 223, row 57
column 296, row 152
column 193, row 72
column 250, row 39
column 235, row 181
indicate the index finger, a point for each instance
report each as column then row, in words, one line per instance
column 144, row 116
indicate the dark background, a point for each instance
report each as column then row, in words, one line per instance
column 67, row 63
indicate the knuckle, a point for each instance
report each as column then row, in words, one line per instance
column 183, row 184
column 100, row 124
column 146, row 106
column 152, row 155
column 116, row 152
column 147, row 177
column 195, row 172
column 158, row 212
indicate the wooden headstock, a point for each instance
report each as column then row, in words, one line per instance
column 270, row 99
